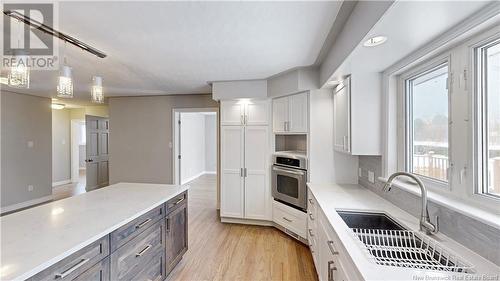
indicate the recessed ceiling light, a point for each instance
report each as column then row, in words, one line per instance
column 57, row 106
column 375, row 41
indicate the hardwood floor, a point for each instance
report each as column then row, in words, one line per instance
column 220, row 251
column 72, row 189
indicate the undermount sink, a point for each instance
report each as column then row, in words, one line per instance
column 369, row 220
column 390, row 244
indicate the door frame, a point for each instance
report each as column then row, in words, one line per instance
column 175, row 145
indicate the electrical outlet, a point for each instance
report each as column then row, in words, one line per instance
column 360, row 172
column 31, row 187
column 371, row 176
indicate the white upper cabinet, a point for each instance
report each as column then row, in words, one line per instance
column 290, row 114
column 231, row 113
column 236, row 113
column 356, row 115
column 280, row 114
column 257, row 112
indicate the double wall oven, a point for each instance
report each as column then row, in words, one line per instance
column 289, row 177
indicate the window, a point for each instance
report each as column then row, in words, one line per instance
column 488, row 117
column 427, row 123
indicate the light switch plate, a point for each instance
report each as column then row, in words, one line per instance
column 31, row 144
column 371, row 176
column 30, row 187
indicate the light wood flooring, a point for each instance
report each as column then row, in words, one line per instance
column 220, row 251
column 72, row 189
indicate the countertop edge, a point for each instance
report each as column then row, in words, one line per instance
column 82, row 245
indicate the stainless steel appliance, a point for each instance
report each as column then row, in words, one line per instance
column 289, row 178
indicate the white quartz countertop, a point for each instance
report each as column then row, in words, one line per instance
column 37, row 238
column 332, row 197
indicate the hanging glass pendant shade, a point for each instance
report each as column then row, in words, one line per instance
column 97, row 95
column 65, row 86
column 19, row 75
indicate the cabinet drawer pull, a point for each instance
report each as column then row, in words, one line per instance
column 179, row 201
column 311, row 201
column 332, row 250
column 143, row 251
column 311, row 232
column 288, row 220
column 72, row 269
column 311, row 216
column 143, row 223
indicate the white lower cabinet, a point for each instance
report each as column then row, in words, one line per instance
column 331, row 260
column 291, row 219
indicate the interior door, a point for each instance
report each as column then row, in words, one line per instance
column 97, row 155
column 232, row 195
column 298, row 113
column 257, row 112
column 341, row 111
column 257, row 192
column 232, row 113
column 280, row 114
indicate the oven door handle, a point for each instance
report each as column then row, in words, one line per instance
column 288, row 171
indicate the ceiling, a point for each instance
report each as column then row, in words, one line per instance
column 158, row 48
column 408, row 25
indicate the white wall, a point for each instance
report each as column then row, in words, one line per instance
column 192, row 146
column 26, row 150
column 211, row 143
column 198, row 145
column 61, row 145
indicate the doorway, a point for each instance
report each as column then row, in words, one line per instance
column 195, row 144
column 78, row 150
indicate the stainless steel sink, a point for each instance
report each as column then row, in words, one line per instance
column 390, row 244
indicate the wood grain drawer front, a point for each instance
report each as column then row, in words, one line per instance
column 154, row 270
column 77, row 263
column 127, row 232
column 131, row 259
column 176, row 202
column 98, row 272
column 176, row 236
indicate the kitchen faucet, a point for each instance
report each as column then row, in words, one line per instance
column 425, row 222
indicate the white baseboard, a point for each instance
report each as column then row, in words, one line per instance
column 210, row 173
column 57, row 183
column 25, row 204
column 192, row 178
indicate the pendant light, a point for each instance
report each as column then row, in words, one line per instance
column 65, row 85
column 97, row 95
column 19, row 75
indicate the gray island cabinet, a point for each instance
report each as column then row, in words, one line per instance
column 147, row 248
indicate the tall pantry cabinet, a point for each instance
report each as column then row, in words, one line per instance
column 245, row 189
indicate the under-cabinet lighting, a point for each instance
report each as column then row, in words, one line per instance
column 375, row 41
column 57, row 106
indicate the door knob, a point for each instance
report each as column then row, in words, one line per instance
column 89, row 160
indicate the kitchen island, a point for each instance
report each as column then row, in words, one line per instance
column 121, row 232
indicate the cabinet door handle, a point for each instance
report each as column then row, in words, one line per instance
column 331, row 270
column 245, row 172
column 246, row 120
column 311, row 232
column 311, row 216
column 287, row 219
column 179, row 201
column 332, row 250
column 143, row 251
column 72, row 269
column 168, row 225
column 143, row 223
column 241, row 172
column 311, row 201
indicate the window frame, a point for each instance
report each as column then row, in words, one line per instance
column 406, row 118
column 480, row 118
